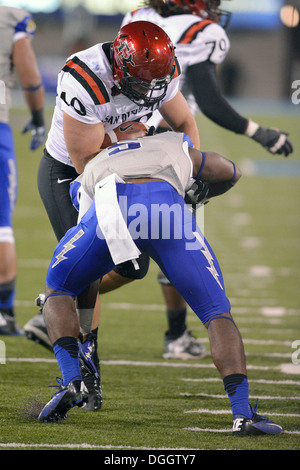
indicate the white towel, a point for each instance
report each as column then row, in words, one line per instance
column 85, row 203
column 111, row 222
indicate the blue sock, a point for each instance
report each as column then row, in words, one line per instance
column 66, row 353
column 237, row 389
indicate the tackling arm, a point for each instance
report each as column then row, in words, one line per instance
column 83, row 141
column 214, row 175
column 178, row 115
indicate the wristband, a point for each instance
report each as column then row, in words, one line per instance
column 251, row 128
column 37, row 117
column 234, row 172
column 33, row 88
column 113, row 137
column 202, row 165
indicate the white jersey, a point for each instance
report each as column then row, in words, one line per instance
column 15, row 24
column 196, row 40
column 86, row 92
column 164, row 156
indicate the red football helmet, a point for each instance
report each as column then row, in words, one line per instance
column 143, row 59
column 207, row 9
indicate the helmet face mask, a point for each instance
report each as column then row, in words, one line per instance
column 144, row 93
column 143, row 59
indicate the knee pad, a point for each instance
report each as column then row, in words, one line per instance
column 6, row 235
column 130, row 270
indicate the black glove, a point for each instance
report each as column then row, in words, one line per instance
column 151, row 130
column 274, row 140
column 197, row 193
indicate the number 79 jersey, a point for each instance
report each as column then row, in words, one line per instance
column 196, row 40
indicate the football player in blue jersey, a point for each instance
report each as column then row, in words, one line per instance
column 114, row 189
column 16, row 55
column 98, row 90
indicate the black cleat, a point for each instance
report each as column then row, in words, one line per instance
column 90, row 373
column 9, row 325
column 35, row 329
column 184, row 347
column 258, row 425
column 62, row 401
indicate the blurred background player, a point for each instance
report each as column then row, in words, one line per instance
column 17, row 28
column 197, row 28
column 99, row 89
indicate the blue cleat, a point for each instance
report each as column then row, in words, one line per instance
column 90, row 373
column 62, row 401
column 258, row 425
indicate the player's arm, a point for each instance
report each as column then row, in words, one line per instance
column 178, row 115
column 214, row 175
column 25, row 62
column 205, row 87
column 83, row 140
column 203, row 80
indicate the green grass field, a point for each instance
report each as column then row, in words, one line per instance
column 150, row 403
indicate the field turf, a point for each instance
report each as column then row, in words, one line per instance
column 150, row 403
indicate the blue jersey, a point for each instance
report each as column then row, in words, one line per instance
column 161, row 225
column 8, row 176
column 15, row 24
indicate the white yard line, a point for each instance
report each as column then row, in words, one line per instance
column 259, row 381
column 226, row 412
column 264, row 310
column 22, row 445
column 227, row 430
column 253, row 397
column 122, row 362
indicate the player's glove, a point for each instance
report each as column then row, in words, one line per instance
column 38, row 134
column 274, row 140
column 151, row 130
column 197, row 194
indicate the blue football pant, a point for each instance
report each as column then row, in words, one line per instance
column 8, row 176
column 170, row 237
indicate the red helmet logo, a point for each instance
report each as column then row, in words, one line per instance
column 126, row 49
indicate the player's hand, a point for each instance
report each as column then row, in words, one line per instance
column 38, row 134
column 274, row 140
column 151, row 130
column 126, row 131
column 197, row 194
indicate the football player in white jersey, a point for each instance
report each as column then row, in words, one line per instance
column 17, row 28
column 99, row 89
column 197, row 28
